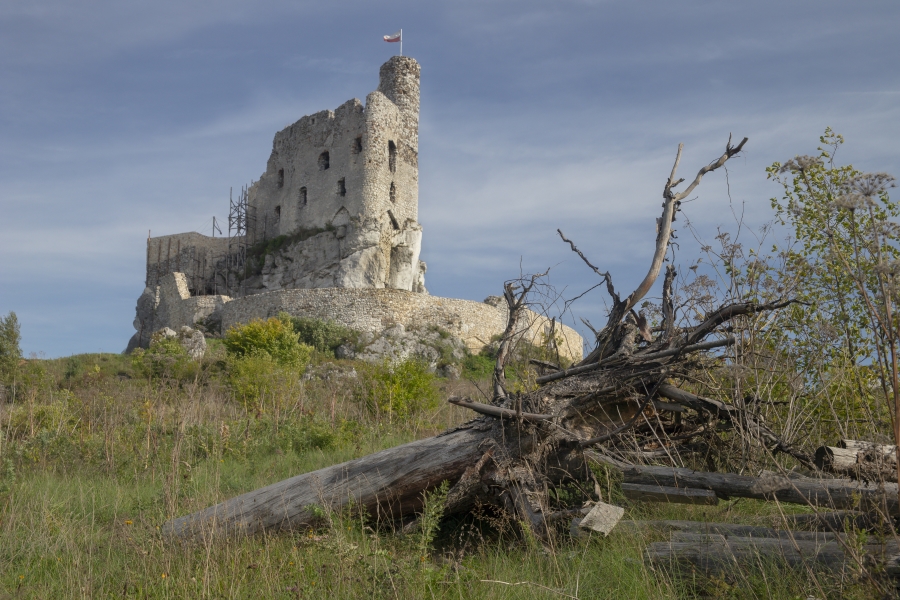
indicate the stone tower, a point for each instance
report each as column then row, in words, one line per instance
column 342, row 188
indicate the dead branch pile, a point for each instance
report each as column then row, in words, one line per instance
column 523, row 445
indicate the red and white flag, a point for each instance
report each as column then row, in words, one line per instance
column 397, row 37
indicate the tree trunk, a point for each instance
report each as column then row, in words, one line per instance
column 387, row 484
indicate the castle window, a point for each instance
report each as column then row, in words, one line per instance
column 357, row 145
column 302, row 196
column 324, row 161
column 280, row 178
column 277, row 213
column 392, row 156
column 342, row 187
column 393, row 192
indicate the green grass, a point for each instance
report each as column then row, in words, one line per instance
column 93, row 460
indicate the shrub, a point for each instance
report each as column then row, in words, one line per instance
column 165, row 357
column 274, row 337
column 259, row 381
column 478, row 366
column 400, row 390
column 324, row 336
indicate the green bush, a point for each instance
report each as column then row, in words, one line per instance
column 165, row 358
column 261, row 382
column 324, row 336
column 274, row 337
column 400, row 390
column 478, row 366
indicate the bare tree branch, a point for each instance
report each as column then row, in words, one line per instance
column 670, row 205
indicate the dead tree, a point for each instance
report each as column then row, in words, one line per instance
column 523, row 444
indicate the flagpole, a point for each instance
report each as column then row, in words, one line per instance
column 401, row 42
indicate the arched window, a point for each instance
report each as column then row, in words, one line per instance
column 324, row 161
column 302, row 196
column 357, row 145
column 280, row 178
column 278, row 213
column 392, row 156
column 393, row 192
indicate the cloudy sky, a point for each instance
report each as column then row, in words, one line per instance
column 123, row 117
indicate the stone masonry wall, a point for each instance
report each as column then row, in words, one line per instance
column 374, row 310
column 370, row 310
column 193, row 254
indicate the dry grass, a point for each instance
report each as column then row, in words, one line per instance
column 92, row 462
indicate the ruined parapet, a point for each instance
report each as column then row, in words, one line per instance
column 170, row 304
column 199, row 257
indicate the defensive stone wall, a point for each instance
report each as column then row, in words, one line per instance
column 375, row 310
column 368, row 310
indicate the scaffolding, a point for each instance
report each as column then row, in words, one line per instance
column 240, row 224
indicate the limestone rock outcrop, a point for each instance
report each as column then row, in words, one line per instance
column 395, row 344
column 192, row 340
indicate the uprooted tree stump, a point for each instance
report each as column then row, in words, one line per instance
column 521, row 445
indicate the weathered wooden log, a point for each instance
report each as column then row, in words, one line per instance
column 676, row 495
column 833, row 459
column 387, row 484
column 842, row 520
column 716, row 553
column 862, row 446
column 859, row 460
column 729, row 530
column 834, row 493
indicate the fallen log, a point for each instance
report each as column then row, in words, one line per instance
column 859, row 460
column 659, row 493
column 862, row 446
column 833, row 493
column 719, row 554
column 387, row 484
column 728, row 530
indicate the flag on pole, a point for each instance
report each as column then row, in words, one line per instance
column 397, row 37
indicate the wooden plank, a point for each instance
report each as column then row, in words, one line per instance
column 658, row 493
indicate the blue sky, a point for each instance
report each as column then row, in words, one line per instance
column 123, row 117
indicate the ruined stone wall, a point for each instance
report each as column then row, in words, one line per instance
column 193, row 254
column 375, row 310
column 369, row 310
column 170, row 304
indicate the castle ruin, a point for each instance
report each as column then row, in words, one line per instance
column 336, row 210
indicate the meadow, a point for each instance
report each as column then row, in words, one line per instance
column 97, row 451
